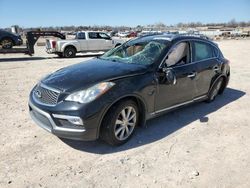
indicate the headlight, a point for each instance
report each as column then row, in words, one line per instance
column 91, row 93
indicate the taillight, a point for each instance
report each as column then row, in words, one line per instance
column 53, row 44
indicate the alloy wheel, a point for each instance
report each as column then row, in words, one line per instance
column 125, row 123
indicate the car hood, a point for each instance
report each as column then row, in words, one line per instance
column 85, row 74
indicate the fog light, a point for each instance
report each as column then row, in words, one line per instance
column 72, row 119
column 75, row 120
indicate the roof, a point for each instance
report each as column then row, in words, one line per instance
column 177, row 37
column 172, row 37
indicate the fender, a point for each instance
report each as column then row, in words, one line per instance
column 66, row 44
column 215, row 80
column 143, row 116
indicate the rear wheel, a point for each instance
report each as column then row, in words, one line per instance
column 120, row 122
column 7, row 43
column 215, row 90
column 69, row 52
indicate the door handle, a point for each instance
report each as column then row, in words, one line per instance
column 216, row 68
column 191, row 75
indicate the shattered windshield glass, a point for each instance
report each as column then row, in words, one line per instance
column 137, row 52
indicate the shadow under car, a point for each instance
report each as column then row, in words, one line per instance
column 161, row 126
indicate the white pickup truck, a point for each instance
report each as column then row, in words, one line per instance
column 86, row 41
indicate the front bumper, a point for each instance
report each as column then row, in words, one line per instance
column 19, row 42
column 53, row 124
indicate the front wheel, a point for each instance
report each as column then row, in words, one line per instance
column 120, row 122
column 7, row 43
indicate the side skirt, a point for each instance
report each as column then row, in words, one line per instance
column 171, row 108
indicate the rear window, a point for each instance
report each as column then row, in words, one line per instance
column 203, row 51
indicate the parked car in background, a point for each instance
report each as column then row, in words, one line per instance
column 128, row 34
column 87, row 41
column 108, row 97
column 132, row 34
column 8, row 39
column 112, row 33
column 123, row 34
column 144, row 33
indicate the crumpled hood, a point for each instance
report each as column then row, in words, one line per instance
column 85, row 74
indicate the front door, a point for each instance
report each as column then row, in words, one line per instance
column 108, row 42
column 183, row 90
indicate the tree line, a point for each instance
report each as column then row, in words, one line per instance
column 159, row 25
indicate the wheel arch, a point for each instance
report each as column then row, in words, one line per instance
column 69, row 45
column 225, row 81
column 7, row 37
column 141, row 107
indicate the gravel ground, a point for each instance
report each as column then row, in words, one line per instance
column 202, row 145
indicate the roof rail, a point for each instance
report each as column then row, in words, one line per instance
column 192, row 35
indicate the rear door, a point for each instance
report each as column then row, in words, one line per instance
column 81, row 37
column 205, row 57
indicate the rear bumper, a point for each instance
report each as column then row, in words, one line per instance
column 51, row 124
column 50, row 50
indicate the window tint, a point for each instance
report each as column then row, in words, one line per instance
column 180, row 54
column 104, row 36
column 80, row 36
column 203, row 51
column 93, row 35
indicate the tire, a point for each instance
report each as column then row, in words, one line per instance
column 69, row 52
column 7, row 43
column 119, row 123
column 215, row 90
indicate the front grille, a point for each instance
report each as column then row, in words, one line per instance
column 46, row 95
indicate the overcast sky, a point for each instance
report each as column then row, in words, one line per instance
column 33, row 13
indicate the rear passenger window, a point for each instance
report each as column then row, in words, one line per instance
column 203, row 51
column 81, row 36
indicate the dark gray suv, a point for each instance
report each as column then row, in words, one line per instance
column 8, row 40
column 109, row 96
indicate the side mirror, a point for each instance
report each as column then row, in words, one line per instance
column 169, row 76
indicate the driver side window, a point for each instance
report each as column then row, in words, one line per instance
column 104, row 36
column 179, row 55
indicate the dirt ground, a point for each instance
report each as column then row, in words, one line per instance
column 202, row 145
